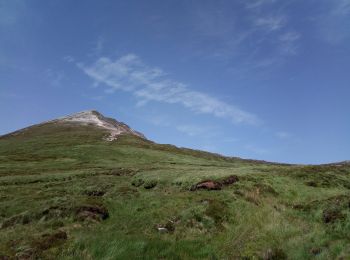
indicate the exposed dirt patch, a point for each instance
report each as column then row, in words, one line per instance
column 49, row 240
column 311, row 183
column 321, row 175
column 168, row 227
column 339, row 201
column 230, row 180
column 215, row 185
column 80, row 213
column 55, row 212
column 207, row 185
column 331, row 215
column 121, row 172
column 273, row 254
column 23, row 219
column 333, row 208
column 95, row 193
column 40, row 244
column 315, row 250
column 128, row 191
column 91, row 212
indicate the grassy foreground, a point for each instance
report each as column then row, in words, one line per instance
column 67, row 194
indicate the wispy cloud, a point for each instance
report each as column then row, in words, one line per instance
column 10, row 11
column 342, row 7
column 290, row 37
column 55, row 77
column 283, row 135
column 334, row 23
column 252, row 4
column 129, row 73
column 286, row 44
column 68, row 58
column 289, row 42
column 226, row 35
column 98, row 46
column 217, row 34
column 270, row 23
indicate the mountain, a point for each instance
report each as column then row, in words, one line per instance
column 85, row 186
column 90, row 118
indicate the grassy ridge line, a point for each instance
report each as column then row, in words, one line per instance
column 54, row 130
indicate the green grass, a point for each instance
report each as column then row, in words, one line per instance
column 49, row 173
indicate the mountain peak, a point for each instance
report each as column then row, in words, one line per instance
column 83, row 115
column 93, row 117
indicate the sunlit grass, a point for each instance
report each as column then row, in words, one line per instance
column 272, row 212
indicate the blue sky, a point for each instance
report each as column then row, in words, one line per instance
column 263, row 79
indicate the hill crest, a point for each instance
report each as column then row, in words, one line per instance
column 89, row 118
column 93, row 117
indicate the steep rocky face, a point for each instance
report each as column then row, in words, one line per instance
column 95, row 118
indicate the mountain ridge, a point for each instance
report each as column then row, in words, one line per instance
column 116, row 128
column 89, row 117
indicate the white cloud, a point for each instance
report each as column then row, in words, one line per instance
column 68, row 59
column 290, row 37
column 129, row 73
column 251, row 4
column 270, row 23
column 289, row 42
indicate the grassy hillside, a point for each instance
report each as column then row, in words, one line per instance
column 67, row 194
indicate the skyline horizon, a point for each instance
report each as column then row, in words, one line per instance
column 220, row 154
column 263, row 79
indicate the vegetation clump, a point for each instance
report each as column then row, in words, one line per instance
column 137, row 182
column 150, row 184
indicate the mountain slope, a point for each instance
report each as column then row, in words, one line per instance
column 68, row 192
column 87, row 118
